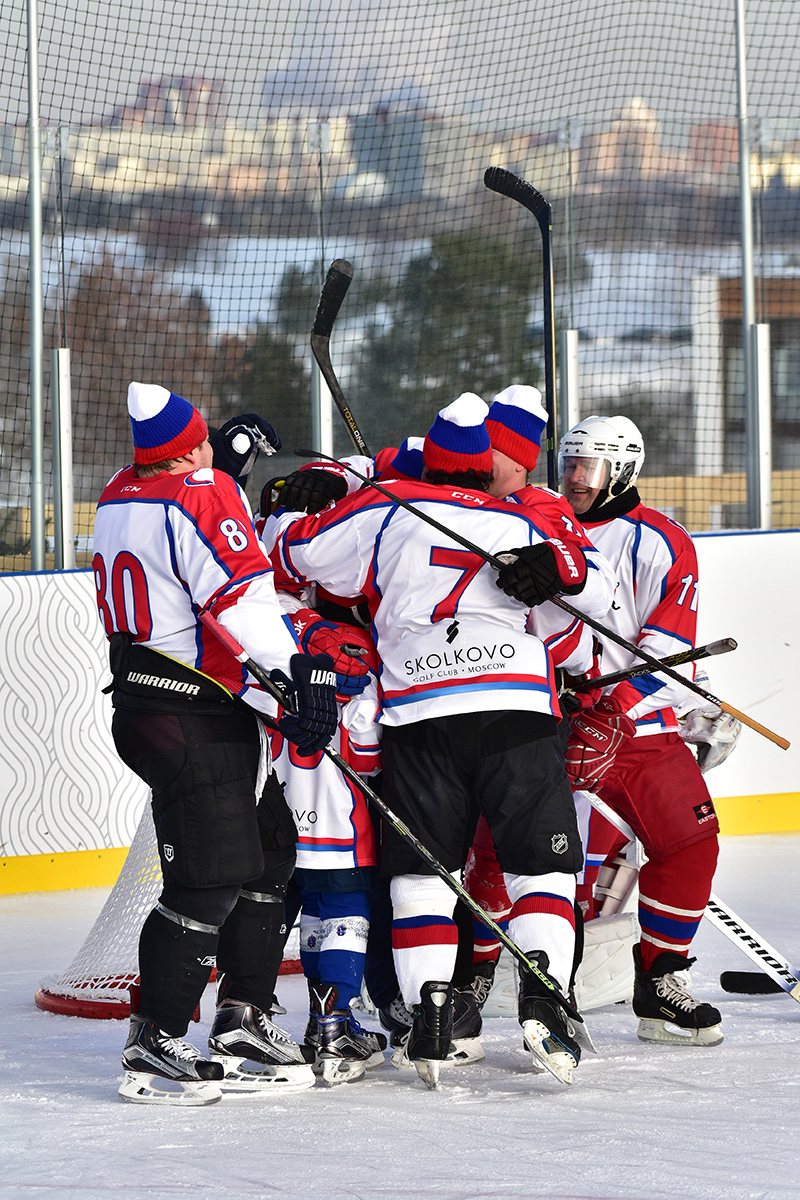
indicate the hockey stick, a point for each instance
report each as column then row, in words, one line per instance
column 337, row 281
column 516, row 188
column 752, row 983
column 496, row 562
column 723, row 918
column 723, row 646
column 754, row 946
column 230, row 643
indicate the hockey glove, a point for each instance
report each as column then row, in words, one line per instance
column 713, row 732
column 595, row 736
column 312, row 693
column 238, row 443
column 347, row 645
column 311, row 490
column 537, row 573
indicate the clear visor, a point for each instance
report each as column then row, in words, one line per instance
column 586, row 472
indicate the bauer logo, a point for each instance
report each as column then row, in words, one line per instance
column 560, row 843
column 704, row 812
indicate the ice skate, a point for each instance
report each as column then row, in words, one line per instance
column 547, row 1031
column 396, row 1020
column 465, row 1046
column 428, row 1043
column 660, row 999
column 258, row 1058
column 343, row 1050
column 160, row 1069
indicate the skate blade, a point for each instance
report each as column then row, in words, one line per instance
column 428, row 1071
column 464, row 1051
column 262, row 1078
column 333, row 1071
column 139, row 1087
column 582, row 1036
column 538, row 1040
column 651, row 1030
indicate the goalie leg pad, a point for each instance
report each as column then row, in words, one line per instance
column 606, row 973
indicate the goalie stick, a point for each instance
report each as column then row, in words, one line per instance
column 723, row 646
column 784, row 977
column 496, row 562
column 334, row 289
column 374, row 799
column 516, row 188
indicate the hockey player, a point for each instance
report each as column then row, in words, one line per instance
column 469, row 717
column 173, row 538
column 335, row 852
column 652, row 780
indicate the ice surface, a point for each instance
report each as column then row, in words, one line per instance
column 640, row 1122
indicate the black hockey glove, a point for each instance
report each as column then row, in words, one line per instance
column 312, row 693
column 238, row 443
column 537, row 573
column 311, row 490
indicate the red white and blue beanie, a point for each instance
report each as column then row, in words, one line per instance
column 457, row 440
column 516, row 421
column 408, row 460
column 164, row 425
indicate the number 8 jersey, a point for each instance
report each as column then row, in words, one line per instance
column 169, row 545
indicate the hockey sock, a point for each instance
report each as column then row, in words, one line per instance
column 424, row 934
column 310, row 936
column 672, row 898
column 543, row 918
column 251, row 948
column 484, row 881
column 176, row 955
column 379, row 973
column 343, row 928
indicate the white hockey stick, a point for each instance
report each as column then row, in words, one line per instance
column 723, row 918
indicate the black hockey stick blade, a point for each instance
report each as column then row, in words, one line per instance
column 516, row 188
column 749, row 983
column 334, row 290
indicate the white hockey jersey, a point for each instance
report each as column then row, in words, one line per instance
column 449, row 640
column 655, row 606
column 166, row 547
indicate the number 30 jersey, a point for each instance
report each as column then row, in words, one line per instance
column 166, row 547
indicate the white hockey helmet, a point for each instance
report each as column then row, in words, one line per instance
column 615, row 444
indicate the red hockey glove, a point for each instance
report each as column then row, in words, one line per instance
column 537, row 573
column 312, row 693
column 349, row 646
column 595, row 736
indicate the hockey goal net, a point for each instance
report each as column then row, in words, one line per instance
column 97, row 981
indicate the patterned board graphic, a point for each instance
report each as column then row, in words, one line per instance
column 62, row 786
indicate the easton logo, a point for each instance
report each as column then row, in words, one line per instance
column 704, row 812
column 159, row 681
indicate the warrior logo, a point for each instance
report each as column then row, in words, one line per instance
column 559, row 843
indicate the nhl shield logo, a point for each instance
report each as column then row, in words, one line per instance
column 169, row 852
column 559, row 843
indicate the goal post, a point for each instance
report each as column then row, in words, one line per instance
column 97, row 982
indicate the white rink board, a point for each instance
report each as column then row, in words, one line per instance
column 749, row 588
column 62, row 787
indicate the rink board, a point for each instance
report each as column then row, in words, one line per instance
column 69, row 807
